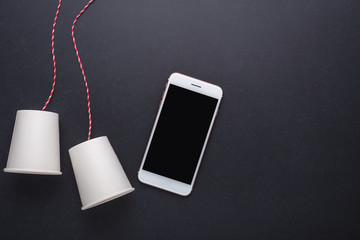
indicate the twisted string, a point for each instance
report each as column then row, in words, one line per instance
column 53, row 55
column 81, row 66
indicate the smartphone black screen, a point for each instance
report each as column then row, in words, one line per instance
column 180, row 134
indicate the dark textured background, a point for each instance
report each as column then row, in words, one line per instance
column 283, row 158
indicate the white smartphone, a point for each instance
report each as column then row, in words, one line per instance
column 178, row 139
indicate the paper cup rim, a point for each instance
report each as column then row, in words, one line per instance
column 31, row 171
column 107, row 198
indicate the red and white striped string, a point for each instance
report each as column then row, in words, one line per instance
column 53, row 55
column 81, row 66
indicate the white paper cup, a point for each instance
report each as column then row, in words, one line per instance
column 99, row 175
column 34, row 146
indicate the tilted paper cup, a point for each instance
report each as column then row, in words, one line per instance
column 98, row 172
column 34, row 146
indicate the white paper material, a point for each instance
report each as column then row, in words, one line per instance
column 35, row 146
column 98, row 172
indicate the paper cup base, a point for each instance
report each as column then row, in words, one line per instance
column 107, row 199
column 31, row 171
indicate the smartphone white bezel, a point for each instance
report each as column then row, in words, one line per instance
column 166, row 183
